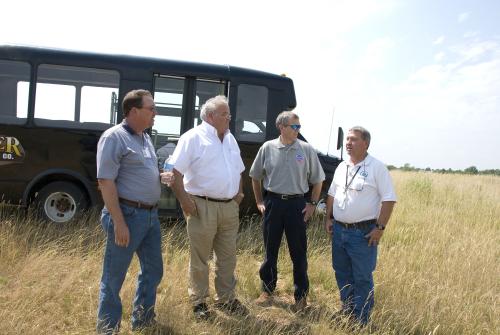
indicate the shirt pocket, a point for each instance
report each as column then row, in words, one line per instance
column 133, row 158
column 358, row 183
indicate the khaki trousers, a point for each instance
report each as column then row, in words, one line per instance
column 214, row 229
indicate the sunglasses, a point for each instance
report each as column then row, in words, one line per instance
column 295, row 127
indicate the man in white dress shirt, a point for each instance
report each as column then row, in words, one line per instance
column 207, row 183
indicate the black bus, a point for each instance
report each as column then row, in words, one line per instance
column 54, row 105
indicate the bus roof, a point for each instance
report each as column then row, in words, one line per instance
column 139, row 64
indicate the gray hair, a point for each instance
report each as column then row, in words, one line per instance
column 210, row 106
column 365, row 134
column 284, row 118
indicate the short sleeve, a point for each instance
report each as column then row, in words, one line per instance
column 316, row 173
column 384, row 184
column 109, row 154
column 257, row 170
column 181, row 158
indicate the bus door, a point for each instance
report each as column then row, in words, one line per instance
column 178, row 102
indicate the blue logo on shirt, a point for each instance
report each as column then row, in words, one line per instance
column 299, row 158
column 364, row 173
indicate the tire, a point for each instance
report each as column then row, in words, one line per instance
column 60, row 202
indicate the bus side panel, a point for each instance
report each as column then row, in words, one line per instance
column 44, row 149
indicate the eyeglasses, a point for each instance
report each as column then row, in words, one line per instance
column 225, row 116
column 150, row 108
column 295, row 127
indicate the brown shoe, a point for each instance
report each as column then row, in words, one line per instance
column 264, row 300
column 299, row 305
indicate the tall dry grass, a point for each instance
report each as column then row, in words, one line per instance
column 438, row 271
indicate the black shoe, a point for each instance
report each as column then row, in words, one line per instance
column 234, row 307
column 201, row 312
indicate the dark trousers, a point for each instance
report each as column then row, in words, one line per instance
column 285, row 215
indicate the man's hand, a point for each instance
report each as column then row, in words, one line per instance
column 329, row 225
column 189, row 207
column 261, row 207
column 167, row 178
column 239, row 198
column 308, row 211
column 375, row 235
column 122, row 234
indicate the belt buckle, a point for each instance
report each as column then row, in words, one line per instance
column 284, row 197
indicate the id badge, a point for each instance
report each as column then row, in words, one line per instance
column 146, row 153
column 342, row 200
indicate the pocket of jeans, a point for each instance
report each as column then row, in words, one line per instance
column 105, row 220
column 367, row 231
column 128, row 211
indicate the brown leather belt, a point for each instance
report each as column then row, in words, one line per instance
column 137, row 204
column 213, row 199
column 357, row 225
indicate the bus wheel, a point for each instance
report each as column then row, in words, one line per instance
column 60, row 201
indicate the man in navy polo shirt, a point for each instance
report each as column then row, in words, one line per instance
column 129, row 180
column 360, row 201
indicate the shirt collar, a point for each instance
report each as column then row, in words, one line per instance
column 129, row 129
column 364, row 162
column 280, row 144
column 209, row 129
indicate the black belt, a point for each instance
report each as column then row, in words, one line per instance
column 137, row 204
column 357, row 225
column 284, row 196
column 213, row 199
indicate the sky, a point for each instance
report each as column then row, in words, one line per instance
column 423, row 76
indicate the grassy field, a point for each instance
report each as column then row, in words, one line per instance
column 438, row 271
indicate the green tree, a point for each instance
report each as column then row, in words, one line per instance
column 471, row 170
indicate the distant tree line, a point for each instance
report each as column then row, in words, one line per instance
column 470, row 170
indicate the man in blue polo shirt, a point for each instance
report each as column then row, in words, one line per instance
column 128, row 175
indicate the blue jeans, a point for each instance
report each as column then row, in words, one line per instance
column 354, row 262
column 145, row 240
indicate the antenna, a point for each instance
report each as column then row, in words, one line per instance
column 330, row 136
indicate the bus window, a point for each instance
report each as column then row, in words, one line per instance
column 75, row 97
column 102, row 99
column 206, row 89
column 168, row 95
column 14, row 87
column 251, row 113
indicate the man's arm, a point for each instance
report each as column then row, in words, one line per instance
column 382, row 221
column 309, row 209
column 257, row 192
column 187, row 204
column 328, row 215
column 110, row 197
column 239, row 197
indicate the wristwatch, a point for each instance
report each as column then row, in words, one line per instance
column 380, row 227
column 314, row 203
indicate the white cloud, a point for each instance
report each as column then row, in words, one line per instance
column 375, row 55
column 438, row 40
column 453, row 108
column 462, row 17
column 471, row 34
column 439, row 56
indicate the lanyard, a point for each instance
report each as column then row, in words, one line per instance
column 346, row 175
